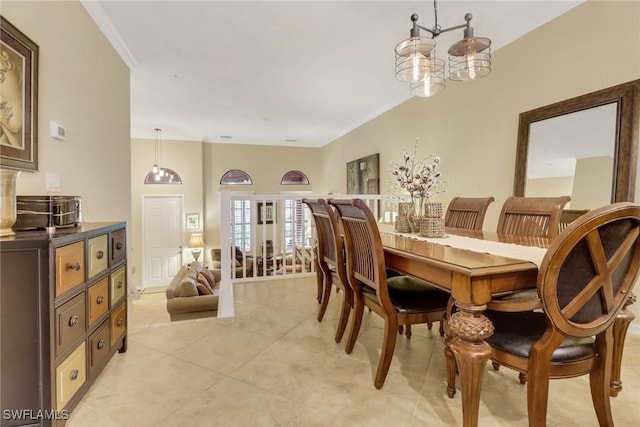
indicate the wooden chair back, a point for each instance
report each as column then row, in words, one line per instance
column 330, row 242
column 363, row 247
column 532, row 216
column 467, row 212
column 568, row 216
column 588, row 272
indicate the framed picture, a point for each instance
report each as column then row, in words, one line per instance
column 19, row 107
column 193, row 221
column 266, row 213
column 363, row 175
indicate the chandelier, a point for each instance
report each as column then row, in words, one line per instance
column 416, row 61
column 160, row 175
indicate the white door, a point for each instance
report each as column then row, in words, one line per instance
column 162, row 228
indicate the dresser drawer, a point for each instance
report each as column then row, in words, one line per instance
column 98, row 299
column 118, row 246
column 69, row 267
column 99, row 346
column 118, row 284
column 118, row 323
column 70, row 322
column 70, row 375
column 97, row 257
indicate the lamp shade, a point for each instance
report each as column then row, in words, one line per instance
column 470, row 59
column 160, row 175
column 412, row 58
column 196, row 241
column 433, row 82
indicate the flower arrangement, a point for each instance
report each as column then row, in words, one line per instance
column 419, row 178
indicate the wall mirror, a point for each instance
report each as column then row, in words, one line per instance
column 585, row 147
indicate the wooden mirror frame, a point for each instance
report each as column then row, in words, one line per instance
column 627, row 97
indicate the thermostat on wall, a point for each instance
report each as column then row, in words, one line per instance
column 56, row 131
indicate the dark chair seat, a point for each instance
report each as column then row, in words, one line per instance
column 409, row 295
column 509, row 336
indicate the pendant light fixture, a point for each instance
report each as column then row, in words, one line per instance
column 158, row 174
column 416, row 61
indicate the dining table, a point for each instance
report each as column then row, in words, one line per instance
column 474, row 267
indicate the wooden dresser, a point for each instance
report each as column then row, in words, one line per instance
column 63, row 314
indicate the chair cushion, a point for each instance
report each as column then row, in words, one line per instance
column 409, row 295
column 515, row 333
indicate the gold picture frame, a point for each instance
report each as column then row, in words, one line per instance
column 19, row 109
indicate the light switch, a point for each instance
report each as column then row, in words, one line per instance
column 52, row 182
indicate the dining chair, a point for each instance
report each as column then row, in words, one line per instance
column 331, row 261
column 467, row 212
column 583, row 283
column 398, row 300
column 531, row 216
column 568, row 216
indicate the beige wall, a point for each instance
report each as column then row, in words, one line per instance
column 473, row 126
column 593, row 182
column 550, row 187
column 84, row 86
column 265, row 165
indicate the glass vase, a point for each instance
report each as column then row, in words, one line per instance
column 8, row 179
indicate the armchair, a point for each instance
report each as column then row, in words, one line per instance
column 242, row 264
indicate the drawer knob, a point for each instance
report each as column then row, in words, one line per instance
column 119, row 245
column 74, row 374
column 100, row 344
column 100, row 254
column 119, row 285
column 100, row 299
column 120, row 322
column 73, row 321
column 75, row 266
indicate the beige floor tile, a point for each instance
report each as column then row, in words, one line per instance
column 233, row 403
column 225, row 350
column 287, row 369
column 274, row 364
column 145, row 393
column 270, row 321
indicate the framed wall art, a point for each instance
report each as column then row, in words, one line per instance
column 19, row 107
column 363, row 175
column 266, row 213
column 193, row 221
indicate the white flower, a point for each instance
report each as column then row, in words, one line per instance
column 418, row 178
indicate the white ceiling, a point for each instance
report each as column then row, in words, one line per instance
column 286, row 73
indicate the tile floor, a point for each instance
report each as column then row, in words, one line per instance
column 275, row 365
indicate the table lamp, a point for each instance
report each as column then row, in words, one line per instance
column 196, row 243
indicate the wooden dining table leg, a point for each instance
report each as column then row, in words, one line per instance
column 469, row 329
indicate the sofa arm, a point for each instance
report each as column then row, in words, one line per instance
column 191, row 304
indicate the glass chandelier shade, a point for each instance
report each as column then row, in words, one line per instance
column 413, row 58
column 433, row 82
column 160, row 175
column 470, row 59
